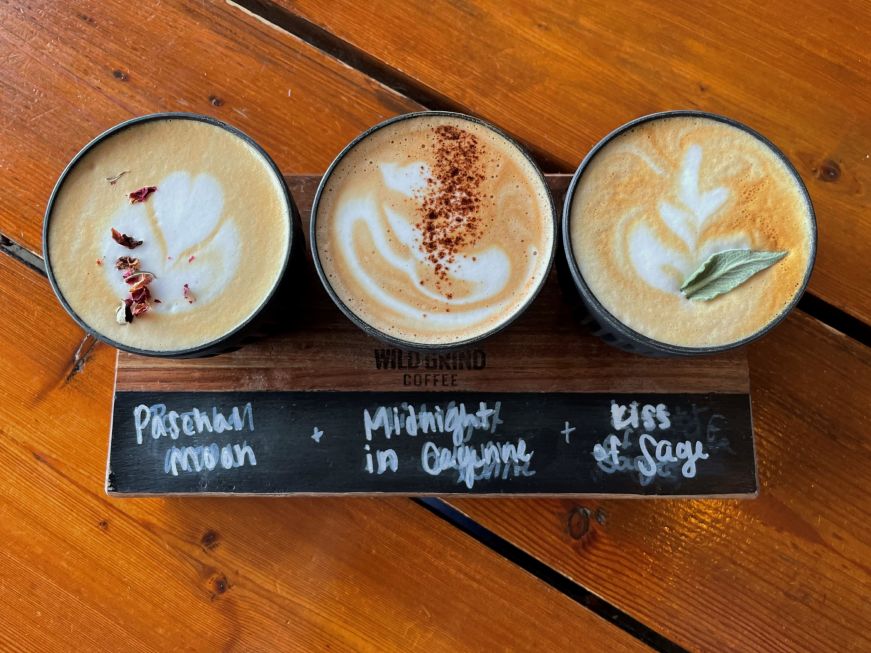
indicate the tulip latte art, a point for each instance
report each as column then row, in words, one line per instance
column 434, row 229
column 212, row 219
column 660, row 198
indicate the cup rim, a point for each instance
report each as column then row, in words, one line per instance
column 391, row 339
column 603, row 313
column 198, row 350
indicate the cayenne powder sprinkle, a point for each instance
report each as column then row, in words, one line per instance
column 449, row 207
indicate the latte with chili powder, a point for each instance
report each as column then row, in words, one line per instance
column 433, row 229
column 168, row 234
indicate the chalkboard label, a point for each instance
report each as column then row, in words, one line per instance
column 431, row 443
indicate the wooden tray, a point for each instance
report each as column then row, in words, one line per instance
column 303, row 399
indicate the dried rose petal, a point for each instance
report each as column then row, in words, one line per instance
column 138, row 308
column 139, row 280
column 191, row 259
column 141, row 294
column 127, row 263
column 124, row 314
column 124, row 240
column 141, row 194
column 188, row 295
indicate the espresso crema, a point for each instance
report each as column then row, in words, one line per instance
column 657, row 200
column 212, row 218
column 434, row 229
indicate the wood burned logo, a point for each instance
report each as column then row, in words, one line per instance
column 430, row 369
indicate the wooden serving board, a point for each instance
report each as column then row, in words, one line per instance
column 543, row 408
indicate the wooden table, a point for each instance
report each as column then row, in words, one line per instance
column 788, row 571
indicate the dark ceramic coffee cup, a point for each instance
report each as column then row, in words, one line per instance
column 538, row 178
column 263, row 314
column 615, row 332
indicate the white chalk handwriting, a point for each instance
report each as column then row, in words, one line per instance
column 645, row 453
column 171, row 423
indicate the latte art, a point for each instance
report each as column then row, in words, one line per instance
column 187, row 238
column 483, row 274
column 654, row 258
column 434, row 230
column 192, row 209
column 656, row 201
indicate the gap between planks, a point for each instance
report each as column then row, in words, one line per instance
column 361, row 61
column 280, row 18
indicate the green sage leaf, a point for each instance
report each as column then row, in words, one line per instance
column 725, row 271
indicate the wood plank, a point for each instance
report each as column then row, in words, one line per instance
column 546, row 350
column 785, row 572
column 72, row 70
column 240, row 574
column 544, row 373
column 247, row 575
column 848, row 186
column 562, row 76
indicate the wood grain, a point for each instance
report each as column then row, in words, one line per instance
column 81, row 571
column 561, row 76
column 788, row 571
column 73, row 69
column 545, row 350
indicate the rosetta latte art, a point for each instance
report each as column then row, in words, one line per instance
column 187, row 239
column 486, row 272
column 664, row 266
column 661, row 197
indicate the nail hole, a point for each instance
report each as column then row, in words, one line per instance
column 578, row 522
column 209, row 540
column 828, row 170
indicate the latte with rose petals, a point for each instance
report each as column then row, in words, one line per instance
column 213, row 220
column 656, row 201
column 434, row 229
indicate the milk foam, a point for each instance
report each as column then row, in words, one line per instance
column 185, row 218
column 217, row 200
column 487, row 271
column 665, row 267
column 401, row 273
column 659, row 199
